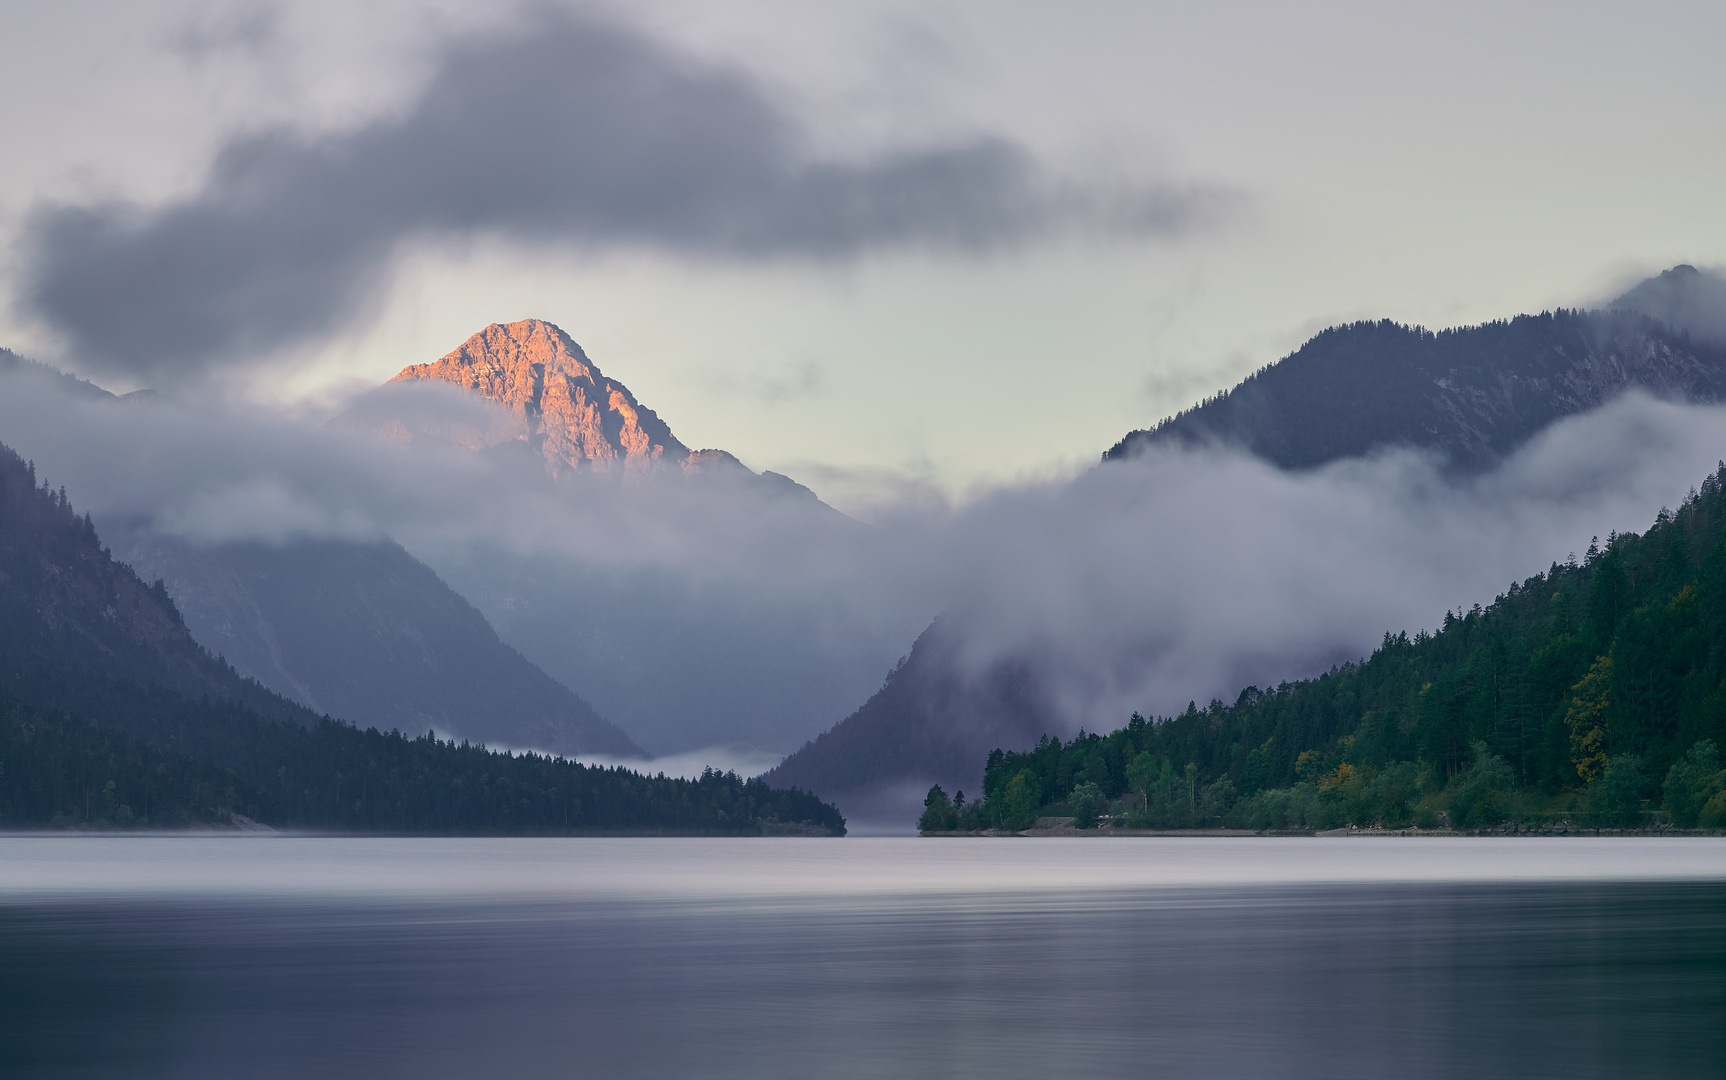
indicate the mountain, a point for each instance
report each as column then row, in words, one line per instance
column 1473, row 394
column 112, row 716
column 927, row 720
column 366, row 632
column 14, row 366
column 554, row 405
column 1685, row 298
column 362, row 631
column 682, row 659
column 555, row 402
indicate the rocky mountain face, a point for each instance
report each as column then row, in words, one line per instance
column 367, row 633
column 555, row 402
column 1472, row 395
column 550, row 403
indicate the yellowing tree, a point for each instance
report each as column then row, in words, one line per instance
column 1586, row 719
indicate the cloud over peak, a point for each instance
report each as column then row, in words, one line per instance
column 564, row 132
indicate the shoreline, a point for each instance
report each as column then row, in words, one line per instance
column 1063, row 827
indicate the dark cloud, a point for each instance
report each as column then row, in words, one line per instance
column 564, row 132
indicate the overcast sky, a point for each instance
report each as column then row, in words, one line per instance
column 935, row 243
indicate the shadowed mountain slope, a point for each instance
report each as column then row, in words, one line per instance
column 360, row 631
column 1684, row 298
column 368, row 633
column 112, row 716
column 1473, row 394
column 927, row 720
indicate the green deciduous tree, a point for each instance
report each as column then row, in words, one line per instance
column 939, row 815
column 1086, row 802
column 1616, row 797
column 1691, row 783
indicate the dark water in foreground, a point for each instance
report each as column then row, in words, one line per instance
column 280, row 957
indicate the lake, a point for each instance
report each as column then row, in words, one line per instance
column 214, row 956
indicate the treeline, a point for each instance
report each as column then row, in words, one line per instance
column 113, row 717
column 1591, row 693
column 138, row 756
column 57, row 770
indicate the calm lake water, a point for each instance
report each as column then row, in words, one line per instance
column 1178, row 957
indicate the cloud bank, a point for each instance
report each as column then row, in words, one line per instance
column 1138, row 585
column 565, row 131
column 1186, row 575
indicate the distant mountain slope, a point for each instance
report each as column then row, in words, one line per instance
column 87, row 650
column 1472, row 394
column 14, row 365
column 366, row 632
column 1684, row 298
column 927, row 720
column 64, row 600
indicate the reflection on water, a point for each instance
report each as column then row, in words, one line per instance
column 891, row 958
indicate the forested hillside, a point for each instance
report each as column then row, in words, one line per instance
column 111, row 715
column 1594, row 691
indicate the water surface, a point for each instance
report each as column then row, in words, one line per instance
column 295, row 957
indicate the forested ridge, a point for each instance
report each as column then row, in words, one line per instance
column 112, row 716
column 1592, row 693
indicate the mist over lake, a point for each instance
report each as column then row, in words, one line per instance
column 215, row 957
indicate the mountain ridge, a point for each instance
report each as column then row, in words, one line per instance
column 1471, row 394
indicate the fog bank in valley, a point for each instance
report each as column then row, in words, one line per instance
column 1136, row 585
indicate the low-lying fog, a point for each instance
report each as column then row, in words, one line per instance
column 1180, row 576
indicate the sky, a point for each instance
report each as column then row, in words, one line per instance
column 894, row 250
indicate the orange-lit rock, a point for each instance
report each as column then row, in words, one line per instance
column 568, row 411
